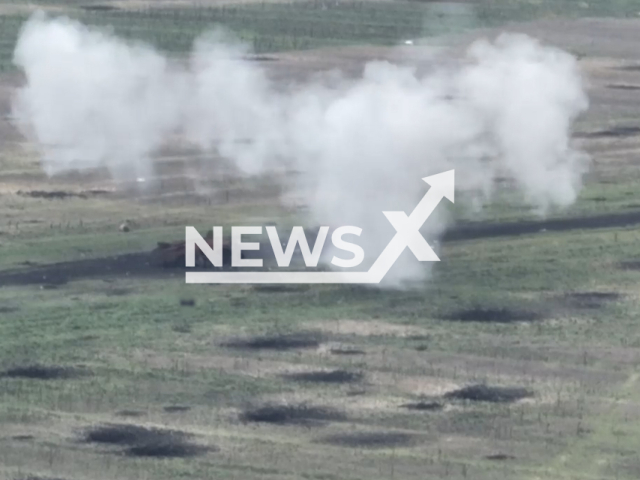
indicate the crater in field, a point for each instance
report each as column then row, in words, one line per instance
column 487, row 393
column 500, row 457
column 423, row 406
column 289, row 341
column 494, row 315
column 168, row 449
column 146, row 442
column 325, row 376
column 43, row 372
column 177, row 408
column 302, row 414
column 61, row 194
column 591, row 299
column 371, row 440
column 130, row 413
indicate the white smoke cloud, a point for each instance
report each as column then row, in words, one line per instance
column 92, row 100
column 362, row 145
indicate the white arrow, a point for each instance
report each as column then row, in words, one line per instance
column 408, row 235
column 442, row 186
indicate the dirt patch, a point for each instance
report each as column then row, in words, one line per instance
column 615, row 132
column 61, row 194
column 168, row 449
column 42, row 372
column 130, row 413
column 486, row 393
column 494, row 315
column 629, row 68
column 322, row 376
column 22, row 438
column 301, row 414
column 423, row 406
column 99, row 8
column 630, row 265
column 117, row 292
column 145, row 442
column 623, row 86
column 187, row 302
column 291, row 341
column 371, row 440
column 591, row 300
column 501, row 457
column 476, row 230
column 136, row 264
column 8, row 309
column 177, row 408
column 346, row 351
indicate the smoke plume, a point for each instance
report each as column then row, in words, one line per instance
column 93, row 100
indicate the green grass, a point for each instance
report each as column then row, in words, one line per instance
column 272, row 27
column 145, row 351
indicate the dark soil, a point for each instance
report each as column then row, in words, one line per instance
column 289, row 341
column 170, row 449
column 126, row 434
column 591, row 300
column 500, row 457
column 622, row 86
column 42, row 372
column 61, row 194
column 615, row 132
column 322, row 376
column 117, row 292
column 630, row 265
column 486, row 393
column 347, row 351
column 494, row 315
column 99, row 8
column 22, row 438
column 371, row 440
column 476, row 230
column 291, row 415
column 145, row 442
column 187, row 302
column 629, row 68
column 136, row 264
column 177, row 408
column 130, row 413
column 423, row 406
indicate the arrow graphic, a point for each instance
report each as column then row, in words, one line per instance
column 407, row 235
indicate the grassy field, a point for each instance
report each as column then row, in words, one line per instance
column 280, row 26
column 110, row 371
